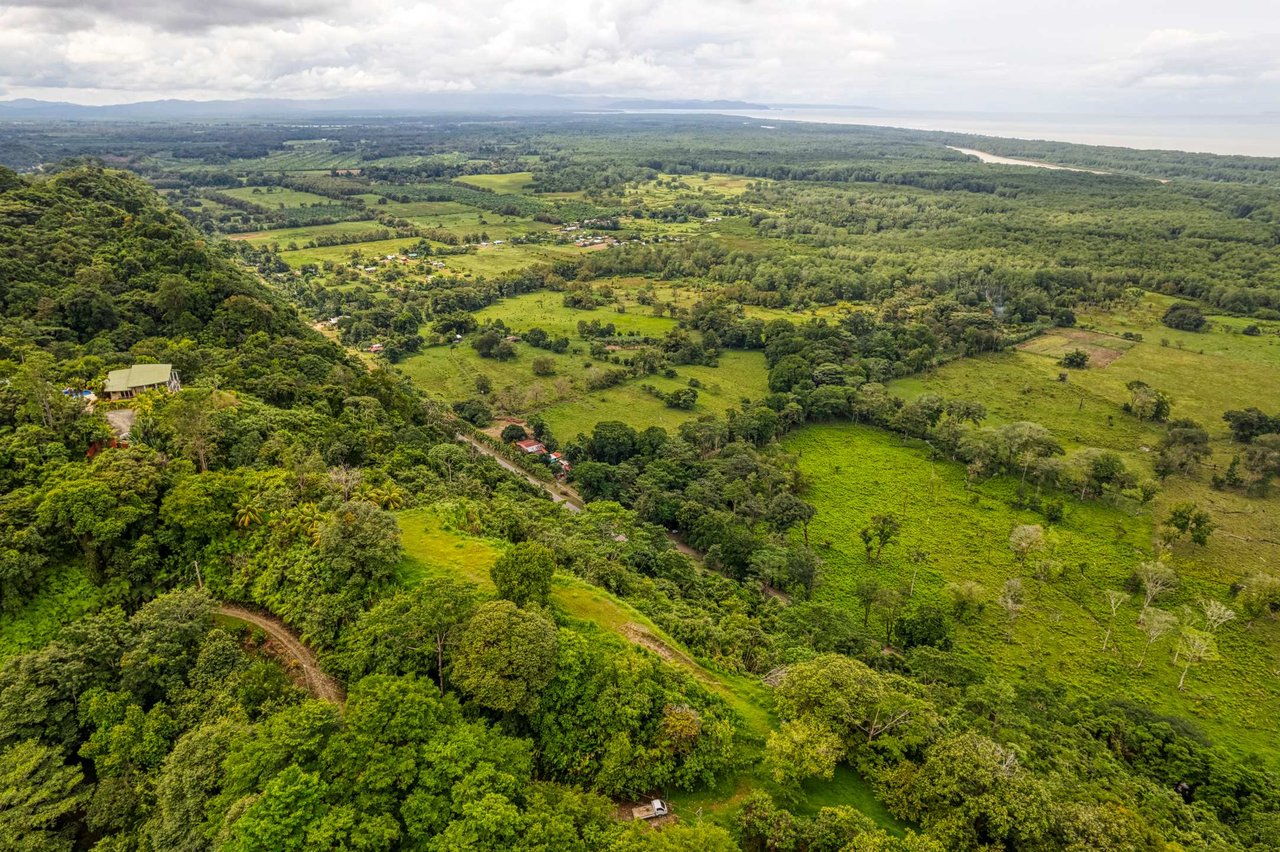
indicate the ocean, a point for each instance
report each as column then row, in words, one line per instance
column 1255, row 136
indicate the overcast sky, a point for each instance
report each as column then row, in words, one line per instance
column 1172, row 56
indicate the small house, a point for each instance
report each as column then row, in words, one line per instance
column 131, row 381
column 375, row 348
column 532, row 446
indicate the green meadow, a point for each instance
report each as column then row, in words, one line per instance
column 503, row 184
column 276, row 197
column 856, row 472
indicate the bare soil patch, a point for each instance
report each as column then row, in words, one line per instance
column 1103, row 349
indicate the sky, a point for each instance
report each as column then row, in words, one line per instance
column 1108, row 56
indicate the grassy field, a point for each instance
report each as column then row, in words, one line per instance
column 1206, row 374
column 508, row 184
column 563, row 399
column 276, row 197
column 738, row 375
column 493, row 260
column 303, row 155
column 283, row 236
column 546, row 310
column 856, row 472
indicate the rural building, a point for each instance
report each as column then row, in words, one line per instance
column 131, row 381
column 377, row 347
column 531, row 446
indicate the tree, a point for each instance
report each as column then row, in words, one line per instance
column 800, row 749
column 682, row 398
column 1076, row 359
column 39, row 796
column 1012, row 599
column 505, row 657
column 1025, row 540
column 407, row 633
column 522, row 575
column 786, row 510
column 1216, row 614
column 868, row 592
column 191, row 415
column 880, row 532
column 1189, row 519
column 1184, row 317
column 971, row 793
column 1115, row 600
column 1147, row 403
column 1196, row 646
column 513, row 432
column 858, row 704
column 446, row 459
column 1154, row 579
column 1156, row 624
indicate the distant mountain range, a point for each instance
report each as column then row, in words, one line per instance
column 371, row 105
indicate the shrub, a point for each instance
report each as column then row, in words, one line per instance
column 474, row 411
column 1076, row 359
column 1184, row 317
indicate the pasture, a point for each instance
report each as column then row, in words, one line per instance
column 856, row 472
column 511, row 183
column 276, row 197
column 1206, row 374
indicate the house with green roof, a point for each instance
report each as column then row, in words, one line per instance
column 131, row 381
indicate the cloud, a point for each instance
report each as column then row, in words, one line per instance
column 993, row 54
column 185, row 16
column 1171, row 59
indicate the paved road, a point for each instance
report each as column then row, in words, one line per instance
column 570, row 501
column 316, row 681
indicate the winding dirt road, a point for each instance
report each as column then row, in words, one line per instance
column 299, row 657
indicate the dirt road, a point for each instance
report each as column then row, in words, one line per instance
column 298, row 656
column 558, row 492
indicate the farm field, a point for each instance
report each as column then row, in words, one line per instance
column 545, row 309
column 273, row 197
column 855, row 472
column 739, row 375
column 282, row 237
column 503, row 184
column 562, row 398
column 1207, row 373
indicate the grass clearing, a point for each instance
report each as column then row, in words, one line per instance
column 739, row 375
column 855, row 472
column 505, row 184
column 545, row 309
column 277, row 197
